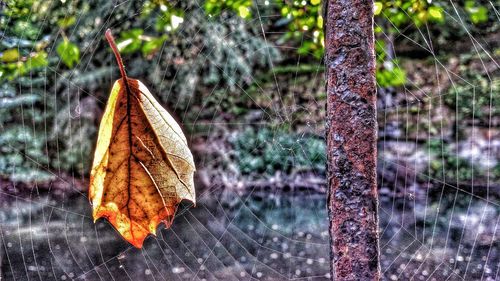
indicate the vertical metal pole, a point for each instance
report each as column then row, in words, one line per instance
column 351, row 133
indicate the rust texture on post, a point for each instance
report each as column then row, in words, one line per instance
column 351, row 133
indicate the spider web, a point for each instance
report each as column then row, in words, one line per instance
column 275, row 227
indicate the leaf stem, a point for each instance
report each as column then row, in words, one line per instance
column 119, row 61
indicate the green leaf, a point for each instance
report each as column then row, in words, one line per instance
column 243, row 12
column 320, row 22
column 10, row 55
column 37, row 60
column 66, row 22
column 436, row 14
column 130, row 40
column 377, row 8
column 477, row 14
column 390, row 75
column 153, row 45
column 68, row 52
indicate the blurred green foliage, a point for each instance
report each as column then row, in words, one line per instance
column 56, row 73
column 477, row 13
column 418, row 12
column 68, row 52
column 21, row 146
column 303, row 22
column 389, row 73
column 267, row 151
column 241, row 7
column 446, row 166
column 134, row 40
column 474, row 95
column 56, row 68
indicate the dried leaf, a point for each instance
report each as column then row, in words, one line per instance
column 142, row 165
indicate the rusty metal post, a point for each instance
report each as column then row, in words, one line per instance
column 351, row 133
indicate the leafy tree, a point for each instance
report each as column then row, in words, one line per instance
column 55, row 74
column 303, row 24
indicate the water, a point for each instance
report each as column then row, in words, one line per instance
column 232, row 236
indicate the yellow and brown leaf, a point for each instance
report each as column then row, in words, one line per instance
column 142, row 165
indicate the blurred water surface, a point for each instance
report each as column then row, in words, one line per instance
column 259, row 235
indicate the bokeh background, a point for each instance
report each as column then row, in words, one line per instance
column 245, row 79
